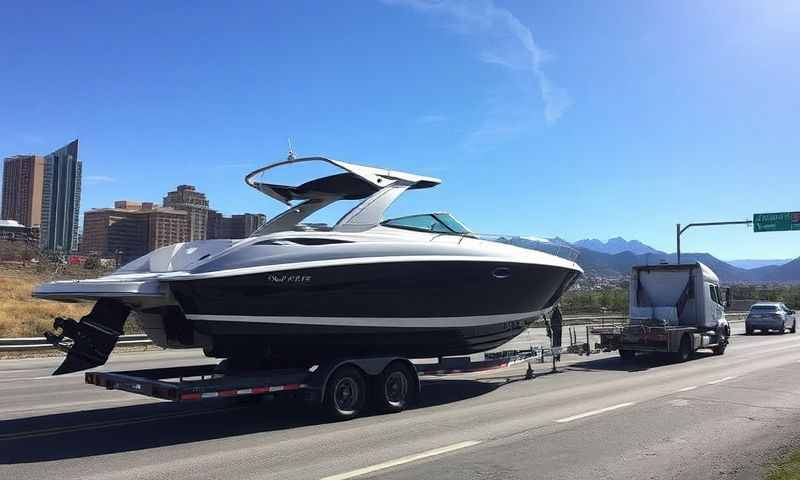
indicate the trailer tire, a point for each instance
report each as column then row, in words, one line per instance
column 393, row 390
column 346, row 393
column 684, row 352
column 627, row 355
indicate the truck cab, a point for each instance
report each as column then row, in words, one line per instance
column 677, row 295
column 674, row 308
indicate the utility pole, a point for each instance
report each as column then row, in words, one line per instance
column 679, row 231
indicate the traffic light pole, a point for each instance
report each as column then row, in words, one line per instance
column 679, row 231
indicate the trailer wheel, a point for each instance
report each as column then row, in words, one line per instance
column 346, row 393
column 684, row 352
column 627, row 355
column 394, row 388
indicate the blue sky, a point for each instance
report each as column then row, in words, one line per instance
column 577, row 119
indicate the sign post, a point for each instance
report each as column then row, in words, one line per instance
column 776, row 222
column 679, row 231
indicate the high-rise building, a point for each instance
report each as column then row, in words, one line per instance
column 22, row 189
column 61, row 199
column 131, row 229
column 167, row 226
column 245, row 224
column 114, row 232
column 188, row 199
column 236, row 226
column 218, row 225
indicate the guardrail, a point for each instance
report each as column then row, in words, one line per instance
column 27, row 344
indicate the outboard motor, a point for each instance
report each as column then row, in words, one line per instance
column 93, row 337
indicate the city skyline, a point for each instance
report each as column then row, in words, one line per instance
column 131, row 229
column 615, row 126
column 44, row 192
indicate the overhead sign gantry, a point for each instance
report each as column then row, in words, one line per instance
column 762, row 222
column 776, row 222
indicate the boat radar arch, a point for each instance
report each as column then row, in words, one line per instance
column 378, row 187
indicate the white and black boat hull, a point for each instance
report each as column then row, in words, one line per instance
column 413, row 309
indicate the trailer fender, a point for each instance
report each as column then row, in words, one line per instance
column 370, row 367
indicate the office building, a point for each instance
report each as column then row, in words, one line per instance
column 167, row 226
column 132, row 229
column 217, row 226
column 195, row 204
column 242, row 226
column 236, row 226
column 61, row 199
column 22, row 189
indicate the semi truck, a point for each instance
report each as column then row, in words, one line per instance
column 675, row 309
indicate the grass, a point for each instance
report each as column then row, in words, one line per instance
column 787, row 469
column 24, row 316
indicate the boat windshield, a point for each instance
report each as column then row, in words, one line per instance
column 429, row 222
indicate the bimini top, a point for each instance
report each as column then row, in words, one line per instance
column 377, row 187
column 358, row 182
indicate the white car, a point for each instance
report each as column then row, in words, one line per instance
column 766, row 316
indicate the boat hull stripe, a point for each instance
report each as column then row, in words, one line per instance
column 406, row 322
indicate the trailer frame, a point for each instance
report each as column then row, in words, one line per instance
column 659, row 338
column 207, row 381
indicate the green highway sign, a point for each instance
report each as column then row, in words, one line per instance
column 776, row 222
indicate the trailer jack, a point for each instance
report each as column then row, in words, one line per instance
column 93, row 337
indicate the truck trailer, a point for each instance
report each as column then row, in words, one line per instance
column 675, row 309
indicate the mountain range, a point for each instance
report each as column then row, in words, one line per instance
column 615, row 258
column 616, row 245
column 749, row 263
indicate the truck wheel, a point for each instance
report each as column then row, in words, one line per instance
column 684, row 352
column 346, row 393
column 627, row 355
column 394, row 388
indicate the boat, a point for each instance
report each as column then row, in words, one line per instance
column 417, row 286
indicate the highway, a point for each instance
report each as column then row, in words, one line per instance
column 598, row 418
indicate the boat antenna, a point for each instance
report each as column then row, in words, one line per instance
column 291, row 152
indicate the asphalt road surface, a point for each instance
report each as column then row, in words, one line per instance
column 712, row 417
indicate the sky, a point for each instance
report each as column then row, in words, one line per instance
column 547, row 118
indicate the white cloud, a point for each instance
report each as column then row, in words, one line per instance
column 95, row 179
column 504, row 41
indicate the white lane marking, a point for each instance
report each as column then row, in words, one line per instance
column 594, row 412
column 50, row 377
column 47, row 377
column 720, row 380
column 686, row 389
column 401, row 461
